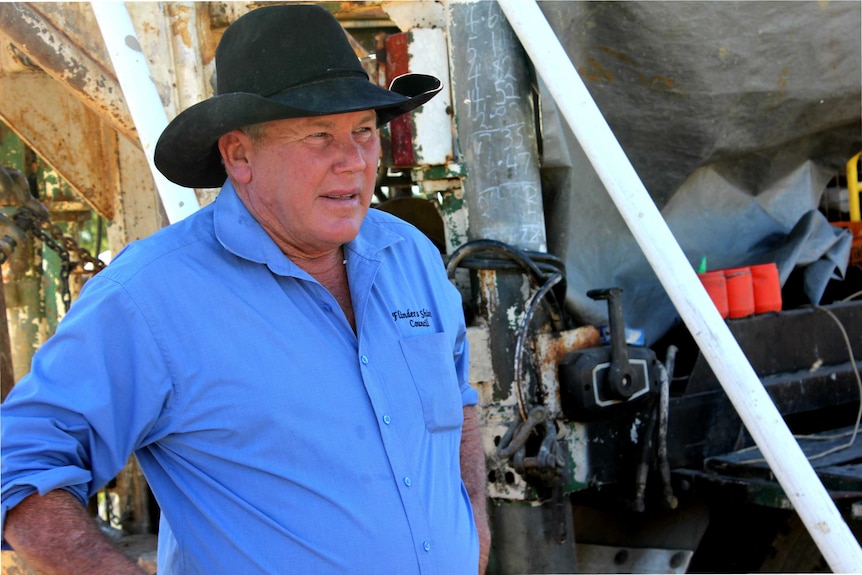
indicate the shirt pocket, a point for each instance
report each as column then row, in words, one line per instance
column 432, row 367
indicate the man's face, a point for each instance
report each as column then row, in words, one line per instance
column 310, row 180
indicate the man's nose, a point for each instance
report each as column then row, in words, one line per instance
column 351, row 156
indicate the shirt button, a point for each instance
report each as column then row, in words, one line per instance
column 426, row 545
column 363, row 359
column 387, row 420
column 327, row 307
column 408, row 482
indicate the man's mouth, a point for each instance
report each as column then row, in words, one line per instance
column 342, row 197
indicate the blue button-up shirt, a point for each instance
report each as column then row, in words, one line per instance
column 275, row 439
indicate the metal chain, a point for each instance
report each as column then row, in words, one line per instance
column 33, row 217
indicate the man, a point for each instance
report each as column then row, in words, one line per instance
column 288, row 367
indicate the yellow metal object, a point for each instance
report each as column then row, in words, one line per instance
column 853, row 200
column 853, row 187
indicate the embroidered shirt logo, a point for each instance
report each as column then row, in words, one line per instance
column 417, row 318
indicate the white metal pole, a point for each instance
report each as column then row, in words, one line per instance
column 781, row 451
column 142, row 98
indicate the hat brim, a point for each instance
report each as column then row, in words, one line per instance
column 187, row 151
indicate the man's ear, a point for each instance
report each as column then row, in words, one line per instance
column 234, row 148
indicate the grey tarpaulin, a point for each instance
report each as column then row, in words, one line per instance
column 735, row 115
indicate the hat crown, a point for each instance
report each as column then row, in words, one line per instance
column 251, row 55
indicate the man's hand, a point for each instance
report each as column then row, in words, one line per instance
column 54, row 535
column 474, row 476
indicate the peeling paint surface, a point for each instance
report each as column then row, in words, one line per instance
column 432, row 131
column 576, row 441
column 513, row 315
column 481, row 368
column 633, row 432
column 551, row 348
column 488, row 290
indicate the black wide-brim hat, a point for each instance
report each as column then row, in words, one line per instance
column 277, row 62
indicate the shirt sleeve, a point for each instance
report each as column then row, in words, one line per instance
column 469, row 395
column 461, row 348
column 94, row 394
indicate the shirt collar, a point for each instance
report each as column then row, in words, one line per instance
column 374, row 236
column 241, row 234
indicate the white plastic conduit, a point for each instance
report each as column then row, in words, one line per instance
column 142, row 98
column 781, row 451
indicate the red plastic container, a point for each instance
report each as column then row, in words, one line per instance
column 716, row 287
column 740, row 292
column 767, row 288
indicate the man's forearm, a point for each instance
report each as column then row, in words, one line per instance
column 474, row 476
column 54, row 534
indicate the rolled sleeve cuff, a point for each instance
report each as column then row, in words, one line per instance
column 469, row 396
